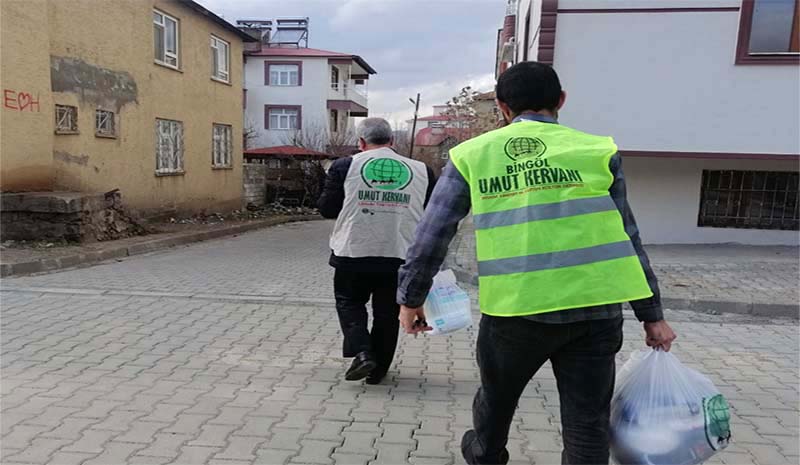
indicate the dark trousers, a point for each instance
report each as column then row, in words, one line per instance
column 353, row 290
column 511, row 350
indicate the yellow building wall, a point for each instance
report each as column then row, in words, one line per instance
column 101, row 56
column 26, row 110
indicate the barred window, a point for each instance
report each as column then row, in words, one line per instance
column 749, row 199
column 66, row 119
column 104, row 123
column 169, row 146
column 222, row 144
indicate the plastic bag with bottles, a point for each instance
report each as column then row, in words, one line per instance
column 447, row 307
column 664, row 413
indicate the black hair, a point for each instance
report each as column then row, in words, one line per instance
column 529, row 86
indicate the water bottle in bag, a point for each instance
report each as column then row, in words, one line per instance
column 664, row 413
column 447, row 307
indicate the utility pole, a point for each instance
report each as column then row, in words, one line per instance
column 414, row 126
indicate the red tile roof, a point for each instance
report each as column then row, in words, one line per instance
column 286, row 151
column 435, row 118
column 309, row 53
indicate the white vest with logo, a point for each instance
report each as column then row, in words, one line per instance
column 384, row 197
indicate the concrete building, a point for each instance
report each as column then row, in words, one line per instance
column 702, row 98
column 432, row 145
column 291, row 88
column 144, row 96
column 436, row 134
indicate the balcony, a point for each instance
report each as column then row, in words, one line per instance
column 348, row 90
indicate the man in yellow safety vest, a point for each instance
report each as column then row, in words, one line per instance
column 558, row 252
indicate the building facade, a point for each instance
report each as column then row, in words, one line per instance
column 294, row 91
column 436, row 134
column 143, row 96
column 701, row 98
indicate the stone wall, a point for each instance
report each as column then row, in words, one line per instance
column 254, row 177
column 69, row 216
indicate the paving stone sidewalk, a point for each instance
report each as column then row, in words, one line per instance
column 17, row 261
column 175, row 358
column 717, row 278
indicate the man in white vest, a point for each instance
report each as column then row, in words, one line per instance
column 377, row 198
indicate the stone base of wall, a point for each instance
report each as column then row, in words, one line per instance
column 68, row 216
column 254, row 177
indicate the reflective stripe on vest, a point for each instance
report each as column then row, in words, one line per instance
column 547, row 261
column 548, row 235
column 545, row 211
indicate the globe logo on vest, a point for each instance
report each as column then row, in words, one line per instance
column 386, row 174
column 520, row 148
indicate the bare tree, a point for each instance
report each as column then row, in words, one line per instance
column 249, row 135
column 342, row 143
column 316, row 137
column 402, row 142
column 469, row 115
column 313, row 180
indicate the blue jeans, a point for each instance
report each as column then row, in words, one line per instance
column 511, row 350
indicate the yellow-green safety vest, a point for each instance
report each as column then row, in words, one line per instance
column 548, row 234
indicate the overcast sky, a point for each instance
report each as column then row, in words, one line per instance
column 434, row 47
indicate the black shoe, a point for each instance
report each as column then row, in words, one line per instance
column 362, row 365
column 374, row 377
column 469, row 444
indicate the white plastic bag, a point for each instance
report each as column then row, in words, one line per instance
column 664, row 413
column 447, row 307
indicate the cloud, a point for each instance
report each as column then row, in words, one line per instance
column 434, row 47
column 393, row 104
column 354, row 12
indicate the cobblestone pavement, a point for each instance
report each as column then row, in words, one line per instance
column 227, row 352
column 721, row 275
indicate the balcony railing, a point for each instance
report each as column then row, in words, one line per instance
column 348, row 91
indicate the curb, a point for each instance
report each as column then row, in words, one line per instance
column 696, row 305
column 47, row 265
column 743, row 308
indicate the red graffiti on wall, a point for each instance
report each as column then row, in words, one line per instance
column 20, row 101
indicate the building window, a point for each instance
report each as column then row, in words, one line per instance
column 769, row 32
column 274, row 163
column 66, row 119
column 749, row 199
column 444, row 150
column 169, row 146
column 334, row 121
column 284, row 74
column 165, row 34
column 334, row 78
column 104, row 124
column 222, row 146
column 283, row 117
column 220, row 59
